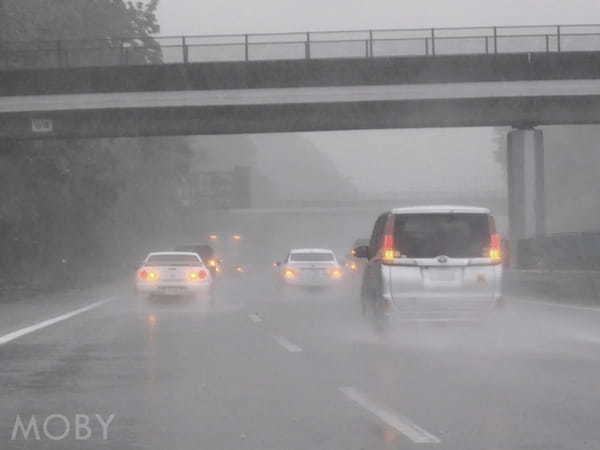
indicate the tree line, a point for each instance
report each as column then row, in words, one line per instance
column 71, row 208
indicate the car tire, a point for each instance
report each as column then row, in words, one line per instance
column 365, row 302
column 381, row 317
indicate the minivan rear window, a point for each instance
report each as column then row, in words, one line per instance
column 311, row 257
column 431, row 235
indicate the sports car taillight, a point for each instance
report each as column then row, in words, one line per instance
column 148, row 275
column 197, row 275
column 335, row 273
column 289, row 273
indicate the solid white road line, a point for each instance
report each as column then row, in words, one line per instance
column 400, row 423
column 46, row 323
column 287, row 344
column 255, row 318
column 587, row 338
column 560, row 305
column 321, row 94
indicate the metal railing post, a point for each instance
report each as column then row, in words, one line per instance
column 495, row 39
column 123, row 52
column 185, row 50
column 307, row 46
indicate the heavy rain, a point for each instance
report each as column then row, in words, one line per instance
column 299, row 224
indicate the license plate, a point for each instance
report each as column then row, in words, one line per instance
column 172, row 290
column 442, row 275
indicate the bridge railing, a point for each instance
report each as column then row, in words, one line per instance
column 299, row 45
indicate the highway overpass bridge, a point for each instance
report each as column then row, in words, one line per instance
column 446, row 77
column 518, row 90
column 519, row 77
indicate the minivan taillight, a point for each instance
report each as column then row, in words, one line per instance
column 495, row 251
column 388, row 248
column 389, row 252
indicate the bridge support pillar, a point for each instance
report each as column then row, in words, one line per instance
column 526, row 210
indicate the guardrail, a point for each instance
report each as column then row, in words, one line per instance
column 300, row 45
column 561, row 251
column 563, row 286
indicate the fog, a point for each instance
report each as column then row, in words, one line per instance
column 186, row 17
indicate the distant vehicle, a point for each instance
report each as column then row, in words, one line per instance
column 310, row 267
column 354, row 264
column 238, row 257
column 207, row 254
column 237, row 270
column 432, row 263
column 173, row 273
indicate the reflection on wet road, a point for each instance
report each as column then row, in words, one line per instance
column 260, row 369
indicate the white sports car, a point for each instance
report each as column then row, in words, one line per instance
column 173, row 273
column 311, row 267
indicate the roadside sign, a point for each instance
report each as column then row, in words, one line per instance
column 42, row 125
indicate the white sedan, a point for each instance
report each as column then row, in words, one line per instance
column 173, row 273
column 311, row 267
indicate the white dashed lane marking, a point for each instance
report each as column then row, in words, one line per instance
column 561, row 305
column 290, row 347
column 400, row 423
column 255, row 318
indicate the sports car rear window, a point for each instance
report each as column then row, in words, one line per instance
column 173, row 260
column 311, row 257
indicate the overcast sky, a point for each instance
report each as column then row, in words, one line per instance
column 380, row 161
column 250, row 16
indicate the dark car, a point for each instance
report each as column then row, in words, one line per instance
column 354, row 264
column 206, row 252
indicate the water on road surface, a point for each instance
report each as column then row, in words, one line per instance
column 302, row 370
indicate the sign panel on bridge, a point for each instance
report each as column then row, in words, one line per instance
column 42, row 125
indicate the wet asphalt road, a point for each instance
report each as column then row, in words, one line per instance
column 262, row 371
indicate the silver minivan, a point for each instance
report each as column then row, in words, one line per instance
column 432, row 263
